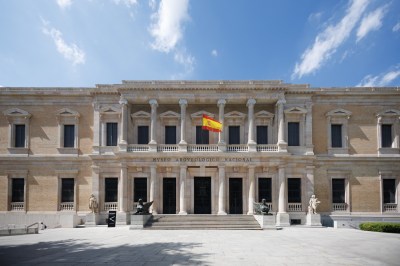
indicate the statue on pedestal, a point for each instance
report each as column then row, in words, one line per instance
column 313, row 204
column 93, row 205
column 143, row 208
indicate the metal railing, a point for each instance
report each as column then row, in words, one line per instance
column 66, row 206
column 110, row 206
column 267, row 147
column 390, row 207
column 339, row 207
column 167, row 147
column 237, row 148
column 17, row 206
column 202, row 147
column 138, row 147
column 295, row 207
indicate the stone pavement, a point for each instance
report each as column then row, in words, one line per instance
column 121, row 246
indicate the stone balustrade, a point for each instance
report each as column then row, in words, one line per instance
column 17, row 206
column 167, row 147
column 66, row 206
column 202, row 148
column 111, row 206
column 267, row 147
column 339, row 207
column 138, row 147
column 390, row 207
column 295, row 207
column 237, row 148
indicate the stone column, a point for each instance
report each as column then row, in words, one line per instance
column 310, row 181
column 153, row 125
column 123, row 189
column 103, row 132
column 183, row 143
column 182, row 183
column 221, row 138
column 252, row 192
column 96, row 129
column 124, row 124
column 282, row 216
column 282, row 145
column 153, row 188
column 221, row 190
column 251, row 142
column 308, row 131
column 93, row 219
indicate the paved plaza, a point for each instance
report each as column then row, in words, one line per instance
column 121, row 246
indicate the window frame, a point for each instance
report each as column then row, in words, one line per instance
column 296, row 114
column 16, row 116
column 340, row 174
column 265, row 118
column 383, row 175
column 66, row 116
column 389, row 117
column 13, row 174
column 338, row 117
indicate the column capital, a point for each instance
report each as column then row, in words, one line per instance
column 123, row 100
column 183, row 102
column 281, row 101
column 221, row 102
column 251, row 166
column 153, row 102
column 183, row 166
column 221, row 166
column 250, row 102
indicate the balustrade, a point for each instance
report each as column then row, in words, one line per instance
column 295, row 207
column 167, row 147
column 66, row 206
column 390, row 207
column 339, row 207
column 138, row 147
column 111, row 206
column 237, row 148
column 202, row 148
column 267, row 147
column 17, row 206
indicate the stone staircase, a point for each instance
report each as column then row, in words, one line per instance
column 202, row 222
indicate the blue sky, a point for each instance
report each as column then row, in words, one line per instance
column 332, row 43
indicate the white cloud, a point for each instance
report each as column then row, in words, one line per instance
column 64, row 3
column 329, row 40
column 371, row 22
column 167, row 28
column 128, row 3
column 185, row 59
column 70, row 52
column 214, row 53
column 153, row 4
column 314, row 17
column 380, row 80
column 396, row 27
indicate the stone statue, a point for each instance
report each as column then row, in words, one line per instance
column 93, row 205
column 313, row 204
column 261, row 208
column 143, row 208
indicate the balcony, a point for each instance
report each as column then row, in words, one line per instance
column 339, row 207
column 110, row 206
column 295, row 207
column 390, row 207
column 201, row 148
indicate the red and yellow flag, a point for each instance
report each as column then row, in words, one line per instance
column 211, row 124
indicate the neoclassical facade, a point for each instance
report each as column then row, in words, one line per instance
column 143, row 139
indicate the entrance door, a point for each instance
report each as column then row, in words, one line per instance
column 235, row 196
column 169, row 195
column 202, row 195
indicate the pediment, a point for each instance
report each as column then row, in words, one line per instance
column 109, row 109
column 16, row 112
column 339, row 112
column 235, row 114
column 141, row 114
column 199, row 114
column 170, row 114
column 296, row 110
column 264, row 114
column 390, row 112
column 67, row 112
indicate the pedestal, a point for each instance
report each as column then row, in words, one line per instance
column 92, row 219
column 313, row 220
column 282, row 219
column 138, row 221
column 123, row 218
column 266, row 221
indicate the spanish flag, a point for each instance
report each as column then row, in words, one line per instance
column 211, row 124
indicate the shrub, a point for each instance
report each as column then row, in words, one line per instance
column 381, row 227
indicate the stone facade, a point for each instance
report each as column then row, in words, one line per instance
column 360, row 159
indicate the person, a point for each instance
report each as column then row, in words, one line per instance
column 313, row 204
column 93, row 203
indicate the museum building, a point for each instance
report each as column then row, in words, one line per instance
column 144, row 140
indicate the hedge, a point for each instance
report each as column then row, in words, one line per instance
column 381, row 227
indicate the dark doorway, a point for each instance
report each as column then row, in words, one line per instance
column 202, row 195
column 235, row 196
column 169, row 195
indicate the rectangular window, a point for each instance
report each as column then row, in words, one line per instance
column 143, row 135
column 338, row 190
column 112, row 134
column 389, row 190
column 170, row 134
column 202, row 136
column 67, row 190
column 140, row 189
column 19, row 136
column 336, row 136
column 293, row 134
column 262, row 134
column 294, row 190
column 264, row 189
column 69, row 136
column 234, row 134
column 111, row 189
column 17, row 190
column 387, row 139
